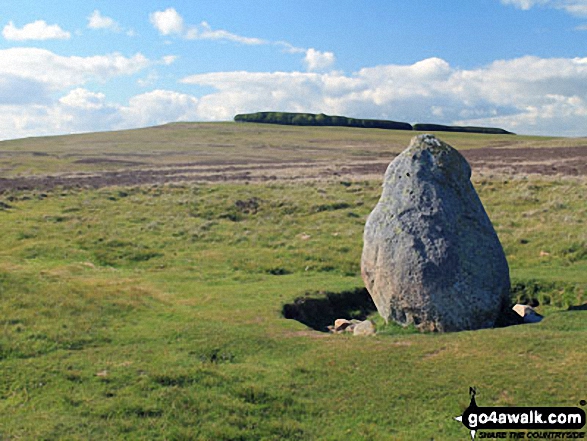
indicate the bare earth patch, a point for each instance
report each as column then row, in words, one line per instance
column 568, row 161
column 562, row 161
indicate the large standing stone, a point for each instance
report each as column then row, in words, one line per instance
column 431, row 256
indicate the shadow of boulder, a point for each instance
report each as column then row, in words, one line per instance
column 508, row 317
column 578, row 308
column 318, row 310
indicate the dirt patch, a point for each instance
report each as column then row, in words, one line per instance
column 564, row 161
column 568, row 161
column 107, row 161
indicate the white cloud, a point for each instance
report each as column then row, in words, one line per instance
column 99, row 21
column 169, row 59
column 205, row 32
column 167, row 22
column 578, row 8
column 159, row 107
column 170, row 22
column 316, row 60
column 42, row 93
column 290, row 48
column 529, row 94
column 153, row 76
column 78, row 111
column 16, row 90
column 523, row 4
column 83, row 99
column 574, row 7
column 38, row 30
column 246, row 92
column 148, row 81
column 56, row 72
column 81, row 110
column 30, row 78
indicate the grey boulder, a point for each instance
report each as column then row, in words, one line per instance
column 431, row 256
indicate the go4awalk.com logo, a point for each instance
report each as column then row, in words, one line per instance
column 536, row 422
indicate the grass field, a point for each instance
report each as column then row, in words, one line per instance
column 155, row 312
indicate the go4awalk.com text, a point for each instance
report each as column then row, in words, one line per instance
column 530, row 435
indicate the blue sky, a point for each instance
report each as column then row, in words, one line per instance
column 71, row 66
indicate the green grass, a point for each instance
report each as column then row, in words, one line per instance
column 225, row 143
column 155, row 313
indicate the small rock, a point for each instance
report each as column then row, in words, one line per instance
column 341, row 324
column 520, row 309
column 527, row 313
column 364, row 328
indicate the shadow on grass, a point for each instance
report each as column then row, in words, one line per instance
column 320, row 309
column 578, row 308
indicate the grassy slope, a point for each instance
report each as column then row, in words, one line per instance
column 154, row 313
column 210, row 143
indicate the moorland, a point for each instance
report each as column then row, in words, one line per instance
column 144, row 275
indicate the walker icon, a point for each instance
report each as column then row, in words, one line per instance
column 472, row 393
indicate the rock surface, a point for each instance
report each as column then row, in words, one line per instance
column 364, row 328
column 355, row 327
column 431, row 256
column 341, row 324
column 527, row 313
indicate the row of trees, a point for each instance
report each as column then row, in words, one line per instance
column 311, row 119
column 466, row 129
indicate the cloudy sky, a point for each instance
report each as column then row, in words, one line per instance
column 76, row 66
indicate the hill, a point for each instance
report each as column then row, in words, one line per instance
column 154, row 308
column 209, row 144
